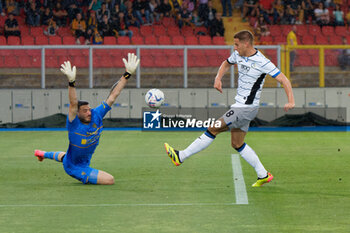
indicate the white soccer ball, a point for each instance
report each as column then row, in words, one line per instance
column 154, row 98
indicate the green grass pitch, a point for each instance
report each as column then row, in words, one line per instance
column 310, row 192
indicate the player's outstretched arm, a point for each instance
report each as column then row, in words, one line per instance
column 281, row 78
column 73, row 100
column 221, row 72
column 130, row 68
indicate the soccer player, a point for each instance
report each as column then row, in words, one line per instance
column 252, row 68
column 84, row 128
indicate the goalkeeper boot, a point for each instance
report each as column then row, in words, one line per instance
column 39, row 154
column 262, row 181
column 173, row 154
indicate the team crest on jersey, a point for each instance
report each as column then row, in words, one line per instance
column 245, row 69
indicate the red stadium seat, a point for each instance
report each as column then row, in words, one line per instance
column 275, row 30
column 175, row 61
column 80, row 61
column 41, row 40
column 327, row 30
column 159, row 30
column 308, row 39
column 200, row 30
column 147, row 61
column 25, row 30
column 266, row 39
column 64, row 31
column 314, row 30
column 168, row 22
column 68, row 40
column 210, row 52
column 151, row 40
column 51, row 62
column 55, row 40
column 164, row 40
column 205, row 40
column 101, row 52
column 191, row 40
column 161, row 61
column 137, row 40
column 301, row 30
column 214, row 61
column 10, row 62
column 102, row 62
column 286, row 29
column 25, row 62
column 195, row 53
column 304, row 61
column 123, row 40
column 321, row 40
column 36, row 31
column 335, row 40
column 36, row 61
column 109, row 40
column 20, row 52
column 146, row 30
column 341, row 31
column 2, row 40
column 331, row 60
column 173, row 31
column 219, row 40
column 135, row 31
column 27, row 40
column 178, row 40
column 187, row 31
column 280, row 40
column 13, row 40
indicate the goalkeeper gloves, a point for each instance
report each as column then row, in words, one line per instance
column 69, row 72
column 130, row 64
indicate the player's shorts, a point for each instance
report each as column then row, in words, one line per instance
column 86, row 175
column 239, row 117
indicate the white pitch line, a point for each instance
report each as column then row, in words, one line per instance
column 238, row 179
column 113, row 205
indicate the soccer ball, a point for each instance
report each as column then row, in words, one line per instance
column 154, row 98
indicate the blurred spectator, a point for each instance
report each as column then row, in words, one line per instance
column 60, row 15
column 33, row 15
column 1, row 9
column 130, row 19
column 50, row 4
column 96, row 37
column 73, row 8
column 306, row 11
column 289, row 15
column 196, row 20
column 12, row 7
column 250, row 8
column 46, row 16
column 52, row 28
column 209, row 14
column 265, row 9
column 141, row 8
column 121, row 26
column 105, row 27
column 95, row 5
column 92, row 20
column 202, row 9
column 296, row 7
column 176, row 6
column 322, row 15
column 347, row 16
column 261, row 28
column 292, row 40
column 277, row 11
column 189, row 4
column 216, row 27
column 11, row 27
column 164, row 9
column 154, row 15
column 227, row 3
column 103, row 11
column 344, row 56
column 79, row 28
column 183, row 18
column 338, row 16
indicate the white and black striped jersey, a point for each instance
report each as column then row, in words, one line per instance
column 251, row 76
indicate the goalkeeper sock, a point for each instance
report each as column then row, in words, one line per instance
column 251, row 157
column 198, row 145
column 52, row 155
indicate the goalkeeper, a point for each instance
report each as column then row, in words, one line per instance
column 84, row 128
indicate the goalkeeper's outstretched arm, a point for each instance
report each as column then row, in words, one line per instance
column 73, row 100
column 130, row 67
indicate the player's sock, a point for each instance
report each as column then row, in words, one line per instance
column 52, row 155
column 198, row 145
column 251, row 157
